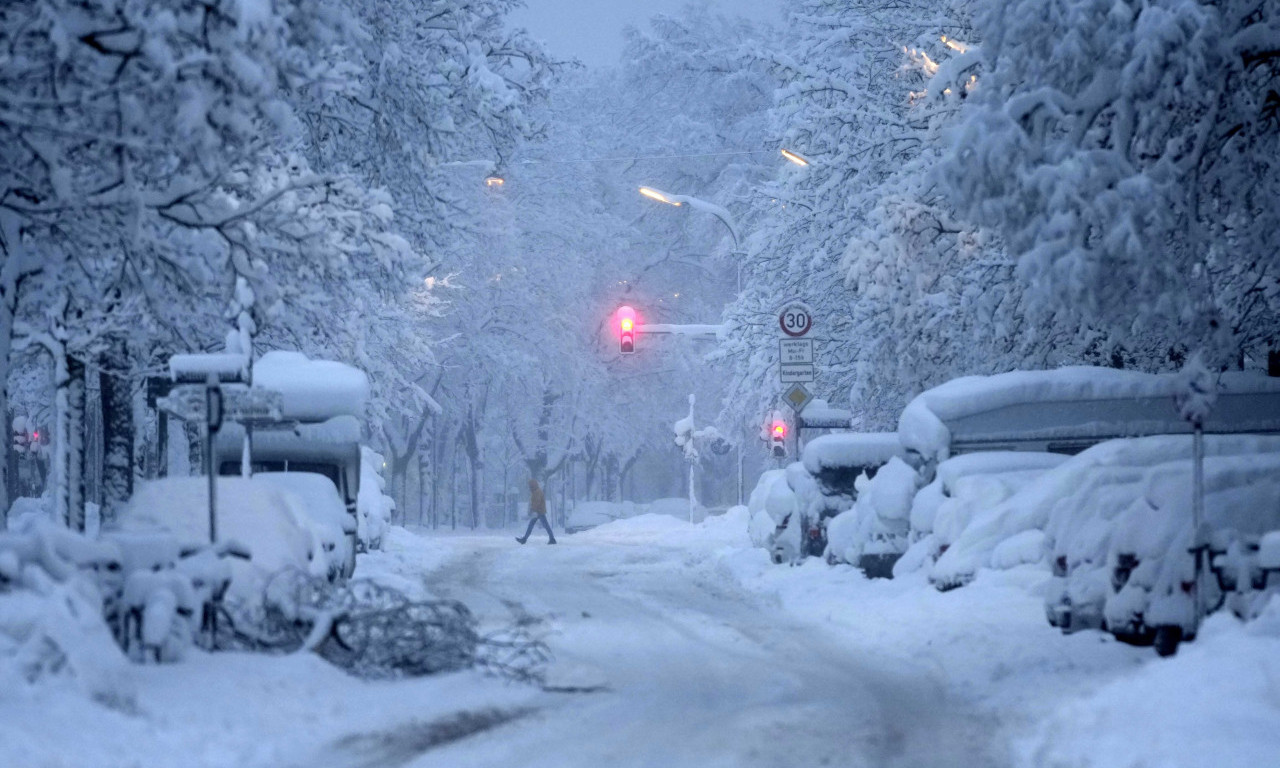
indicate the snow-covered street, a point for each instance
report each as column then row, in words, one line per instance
column 680, row 645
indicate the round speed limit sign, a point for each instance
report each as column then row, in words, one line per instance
column 795, row 319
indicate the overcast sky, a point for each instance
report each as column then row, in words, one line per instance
column 591, row 30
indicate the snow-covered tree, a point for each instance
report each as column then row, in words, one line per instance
column 1129, row 155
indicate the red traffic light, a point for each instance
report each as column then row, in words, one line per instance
column 626, row 322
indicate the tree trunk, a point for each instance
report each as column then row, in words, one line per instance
column 75, row 438
column 117, row 433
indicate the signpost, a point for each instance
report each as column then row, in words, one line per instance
column 795, row 354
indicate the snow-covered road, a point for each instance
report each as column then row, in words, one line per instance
column 680, row 645
column 695, row 670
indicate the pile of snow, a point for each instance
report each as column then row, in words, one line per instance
column 962, row 486
column 51, row 612
column 1075, row 503
column 1076, row 403
column 589, row 514
column 877, row 525
column 259, row 515
column 373, row 506
column 312, row 390
column 1212, row 704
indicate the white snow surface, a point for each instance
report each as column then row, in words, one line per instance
column 851, row 449
column 698, row 652
column 922, row 427
column 313, row 390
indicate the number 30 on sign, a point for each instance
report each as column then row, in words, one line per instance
column 795, row 318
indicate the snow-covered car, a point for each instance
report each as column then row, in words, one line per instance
column 824, row 484
column 315, row 500
column 963, row 486
column 260, row 516
column 1152, row 586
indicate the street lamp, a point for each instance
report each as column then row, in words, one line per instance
column 721, row 213
column 793, row 157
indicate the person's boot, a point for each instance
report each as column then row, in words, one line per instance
column 551, row 541
column 520, row 540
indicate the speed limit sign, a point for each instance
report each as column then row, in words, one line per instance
column 795, row 319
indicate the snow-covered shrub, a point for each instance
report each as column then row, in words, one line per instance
column 51, row 612
column 373, row 505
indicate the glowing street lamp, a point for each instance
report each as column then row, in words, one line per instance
column 661, row 197
column 793, row 157
column 494, row 181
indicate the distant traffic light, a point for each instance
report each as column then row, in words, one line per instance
column 626, row 320
column 778, row 438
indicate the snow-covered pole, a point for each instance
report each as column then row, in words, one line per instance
column 693, row 499
column 1194, row 403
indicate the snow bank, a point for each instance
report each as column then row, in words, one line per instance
column 1075, row 403
column 312, row 390
column 51, row 614
column 1212, row 704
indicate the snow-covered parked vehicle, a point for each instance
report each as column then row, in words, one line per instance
column 810, row 495
column 374, row 507
column 318, row 505
column 1150, row 560
column 962, row 487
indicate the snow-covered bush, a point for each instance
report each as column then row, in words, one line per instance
column 51, row 612
column 373, row 505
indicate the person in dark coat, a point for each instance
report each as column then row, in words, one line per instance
column 537, row 513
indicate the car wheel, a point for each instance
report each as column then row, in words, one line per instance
column 1167, row 639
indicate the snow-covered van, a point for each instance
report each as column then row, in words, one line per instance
column 1066, row 410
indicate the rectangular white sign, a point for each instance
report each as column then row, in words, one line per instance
column 795, row 373
column 793, row 351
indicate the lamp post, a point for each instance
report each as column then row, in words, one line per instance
column 726, row 218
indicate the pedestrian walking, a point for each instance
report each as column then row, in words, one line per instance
column 537, row 513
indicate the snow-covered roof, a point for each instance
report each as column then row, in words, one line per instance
column 820, row 413
column 228, row 366
column 1075, row 403
column 313, row 390
column 851, row 449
